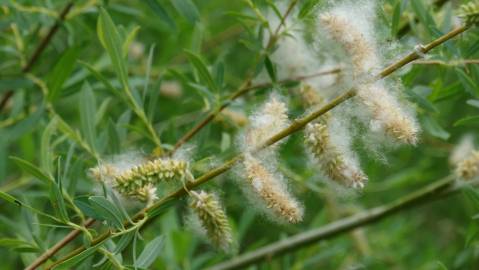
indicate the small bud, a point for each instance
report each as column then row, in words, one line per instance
column 271, row 191
column 212, row 217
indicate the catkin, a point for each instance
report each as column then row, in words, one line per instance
column 336, row 165
column 468, row 168
column 271, row 191
column 388, row 116
column 212, row 217
column 151, row 172
column 362, row 52
column 270, row 119
column 139, row 181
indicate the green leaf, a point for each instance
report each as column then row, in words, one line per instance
column 129, row 39
column 270, row 68
column 9, row 198
column 32, row 169
column 73, row 261
column 187, row 9
column 433, row 128
column 46, row 156
column 203, row 71
column 150, row 253
column 395, row 19
column 60, row 72
column 424, row 17
column 86, row 208
column 470, row 120
column 308, row 7
column 111, row 40
column 161, row 12
column 107, row 211
column 18, row 245
column 56, row 197
column 58, row 202
column 101, row 78
column 469, row 85
column 87, row 114
column 420, row 100
column 125, row 239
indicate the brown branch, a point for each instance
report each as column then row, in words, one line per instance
column 295, row 126
column 422, row 196
column 39, row 50
column 448, row 63
column 51, row 251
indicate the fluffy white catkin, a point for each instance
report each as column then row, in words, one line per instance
column 212, row 217
column 354, row 31
column 271, row 191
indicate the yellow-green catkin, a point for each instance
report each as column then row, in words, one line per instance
column 468, row 168
column 139, row 181
column 272, row 191
column 212, row 217
column 152, row 172
column 469, row 12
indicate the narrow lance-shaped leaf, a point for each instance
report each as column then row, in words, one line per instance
column 158, row 9
column 110, row 38
column 187, row 9
column 60, row 72
column 75, row 260
column 32, row 169
column 56, row 196
column 87, row 114
column 203, row 71
column 107, row 210
column 150, row 253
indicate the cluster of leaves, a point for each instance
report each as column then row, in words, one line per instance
column 96, row 92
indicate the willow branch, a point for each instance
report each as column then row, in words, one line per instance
column 295, row 126
column 243, row 89
column 51, row 251
column 448, row 63
column 39, row 50
column 429, row 193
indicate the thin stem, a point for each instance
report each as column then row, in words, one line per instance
column 431, row 192
column 51, row 251
column 295, row 126
column 39, row 50
column 448, row 63
column 243, row 89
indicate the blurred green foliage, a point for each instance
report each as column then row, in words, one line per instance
column 184, row 58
